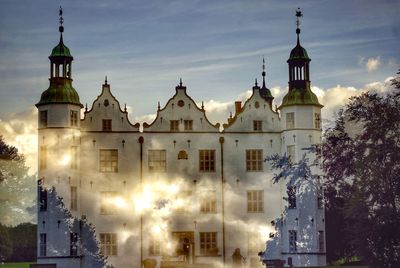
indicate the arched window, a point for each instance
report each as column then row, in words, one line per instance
column 182, row 155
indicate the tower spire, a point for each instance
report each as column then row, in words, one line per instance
column 299, row 14
column 61, row 28
column 263, row 73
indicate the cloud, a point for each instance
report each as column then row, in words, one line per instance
column 20, row 130
column 371, row 64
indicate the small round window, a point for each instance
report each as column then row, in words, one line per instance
column 181, row 103
column 106, row 103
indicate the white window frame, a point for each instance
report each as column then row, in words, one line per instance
column 290, row 120
column 255, row 201
column 157, row 160
column 254, row 160
column 109, row 244
column 207, row 160
column 108, row 160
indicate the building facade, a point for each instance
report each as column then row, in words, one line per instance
column 179, row 190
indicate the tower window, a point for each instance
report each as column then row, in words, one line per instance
column 43, row 199
column 290, row 120
column 43, row 119
column 74, row 157
column 107, row 203
column 108, row 244
column 108, row 160
column 254, row 160
column 207, row 160
column 291, row 192
column 107, row 125
column 208, row 243
column 291, row 152
column 188, row 124
column 73, row 118
column 43, row 158
column 73, row 245
column 43, row 245
column 157, row 160
column 317, row 120
column 74, row 198
column 321, row 241
column 292, row 241
column 257, row 125
column 255, row 201
column 174, row 125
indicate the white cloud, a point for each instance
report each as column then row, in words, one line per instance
column 371, row 64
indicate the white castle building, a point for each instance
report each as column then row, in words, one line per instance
column 180, row 191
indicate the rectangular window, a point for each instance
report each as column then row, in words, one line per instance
column 107, row 125
column 208, row 243
column 174, row 125
column 107, row 203
column 43, row 119
column 207, row 160
column 157, row 160
column 74, row 198
column 74, row 157
column 290, row 120
column 183, row 201
column 291, row 153
column 108, row 160
column 188, row 124
column 255, row 201
column 73, row 245
column 257, row 125
column 43, row 158
column 291, row 192
column 320, row 200
column 43, row 245
column 292, row 241
column 43, row 199
column 108, row 244
column 317, row 120
column 73, row 115
column 254, row 160
column 209, row 202
column 321, row 241
column 154, row 246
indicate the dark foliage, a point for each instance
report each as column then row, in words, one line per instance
column 361, row 160
column 24, row 239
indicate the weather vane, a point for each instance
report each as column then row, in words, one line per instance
column 299, row 14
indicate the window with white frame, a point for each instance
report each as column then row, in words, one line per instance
column 108, row 160
column 317, row 120
column 73, row 116
column 207, row 160
column 174, row 125
column 43, row 119
column 43, row 245
column 257, row 125
column 255, row 201
column 208, row 202
column 291, row 152
column 154, row 246
column 74, row 198
column 107, row 125
column 292, row 241
column 157, row 160
column 74, row 157
column 254, row 160
column 188, row 124
column 208, row 243
column 108, row 244
column 290, row 123
column 107, row 202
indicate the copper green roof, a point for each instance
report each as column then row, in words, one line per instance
column 298, row 53
column 60, row 91
column 61, row 50
column 300, row 97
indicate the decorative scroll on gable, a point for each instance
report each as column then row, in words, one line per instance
column 181, row 114
column 106, row 114
column 256, row 115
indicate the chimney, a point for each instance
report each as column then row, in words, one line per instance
column 238, row 107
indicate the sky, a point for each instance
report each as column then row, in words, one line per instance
column 217, row 47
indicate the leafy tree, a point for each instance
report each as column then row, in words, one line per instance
column 361, row 160
column 24, row 238
column 5, row 243
column 17, row 194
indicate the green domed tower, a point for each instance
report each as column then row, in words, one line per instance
column 60, row 89
column 299, row 76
